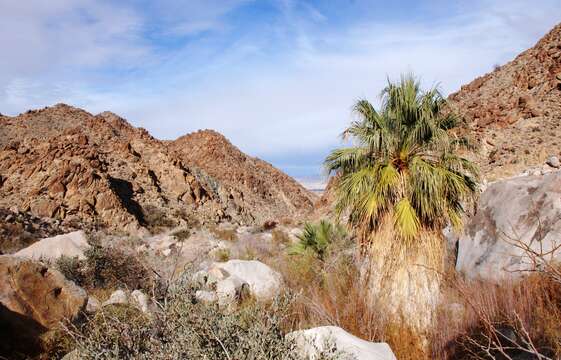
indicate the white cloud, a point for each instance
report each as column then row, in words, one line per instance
column 285, row 88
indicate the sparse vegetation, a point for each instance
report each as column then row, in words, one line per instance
column 184, row 329
column 109, row 268
column 228, row 234
column 280, row 237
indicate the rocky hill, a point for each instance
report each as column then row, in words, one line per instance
column 514, row 112
column 62, row 162
column 257, row 184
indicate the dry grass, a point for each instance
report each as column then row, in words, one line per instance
column 228, row 234
column 531, row 306
column 470, row 312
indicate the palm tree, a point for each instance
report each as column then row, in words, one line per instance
column 402, row 181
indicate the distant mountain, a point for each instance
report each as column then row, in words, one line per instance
column 65, row 163
column 255, row 183
column 514, row 112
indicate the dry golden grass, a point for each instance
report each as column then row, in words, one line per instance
column 332, row 293
column 531, row 306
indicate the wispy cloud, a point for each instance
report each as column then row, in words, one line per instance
column 277, row 77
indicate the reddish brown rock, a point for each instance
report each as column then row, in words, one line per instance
column 33, row 299
column 249, row 182
column 517, row 106
column 66, row 163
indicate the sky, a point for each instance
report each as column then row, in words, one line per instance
column 276, row 77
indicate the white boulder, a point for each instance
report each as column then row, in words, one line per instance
column 206, row 297
column 312, row 343
column 73, row 244
column 118, row 297
column 93, row 305
column 141, row 301
column 264, row 282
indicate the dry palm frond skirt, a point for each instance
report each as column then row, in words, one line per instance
column 403, row 276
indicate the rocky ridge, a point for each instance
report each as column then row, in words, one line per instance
column 257, row 183
column 65, row 163
column 514, row 112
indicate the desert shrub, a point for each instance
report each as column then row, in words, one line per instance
column 228, row 234
column 109, row 268
column 317, row 238
column 182, row 235
column 222, row 255
column 280, row 237
column 184, row 329
column 157, row 219
column 71, row 268
column 269, row 225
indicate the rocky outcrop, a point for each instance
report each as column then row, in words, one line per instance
column 514, row 112
column 50, row 249
column 64, row 163
column 524, row 211
column 315, row 342
column 33, row 299
column 253, row 183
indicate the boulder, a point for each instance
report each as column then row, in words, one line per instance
column 118, row 297
column 206, row 297
column 33, row 299
column 136, row 299
column 72, row 245
column 264, row 282
column 73, row 355
column 523, row 210
column 231, row 291
column 141, row 301
column 553, row 161
column 313, row 343
column 93, row 305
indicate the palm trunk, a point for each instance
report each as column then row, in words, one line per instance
column 404, row 277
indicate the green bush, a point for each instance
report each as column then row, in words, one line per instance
column 317, row 238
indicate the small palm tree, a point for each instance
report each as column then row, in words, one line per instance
column 398, row 186
column 317, row 238
column 403, row 165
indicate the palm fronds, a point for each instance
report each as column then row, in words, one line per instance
column 403, row 163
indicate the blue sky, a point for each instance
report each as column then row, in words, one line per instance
column 277, row 77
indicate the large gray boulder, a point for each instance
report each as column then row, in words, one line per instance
column 313, row 343
column 523, row 210
column 50, row 249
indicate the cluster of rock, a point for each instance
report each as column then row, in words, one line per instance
column 19, row 229
column 514, row 111
column 64, row 163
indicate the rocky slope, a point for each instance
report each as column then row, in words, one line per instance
column 514, row 112
column 256, row 184
column 62, row 162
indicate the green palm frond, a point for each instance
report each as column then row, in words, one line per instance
column 317, row 238
column 404, row 163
